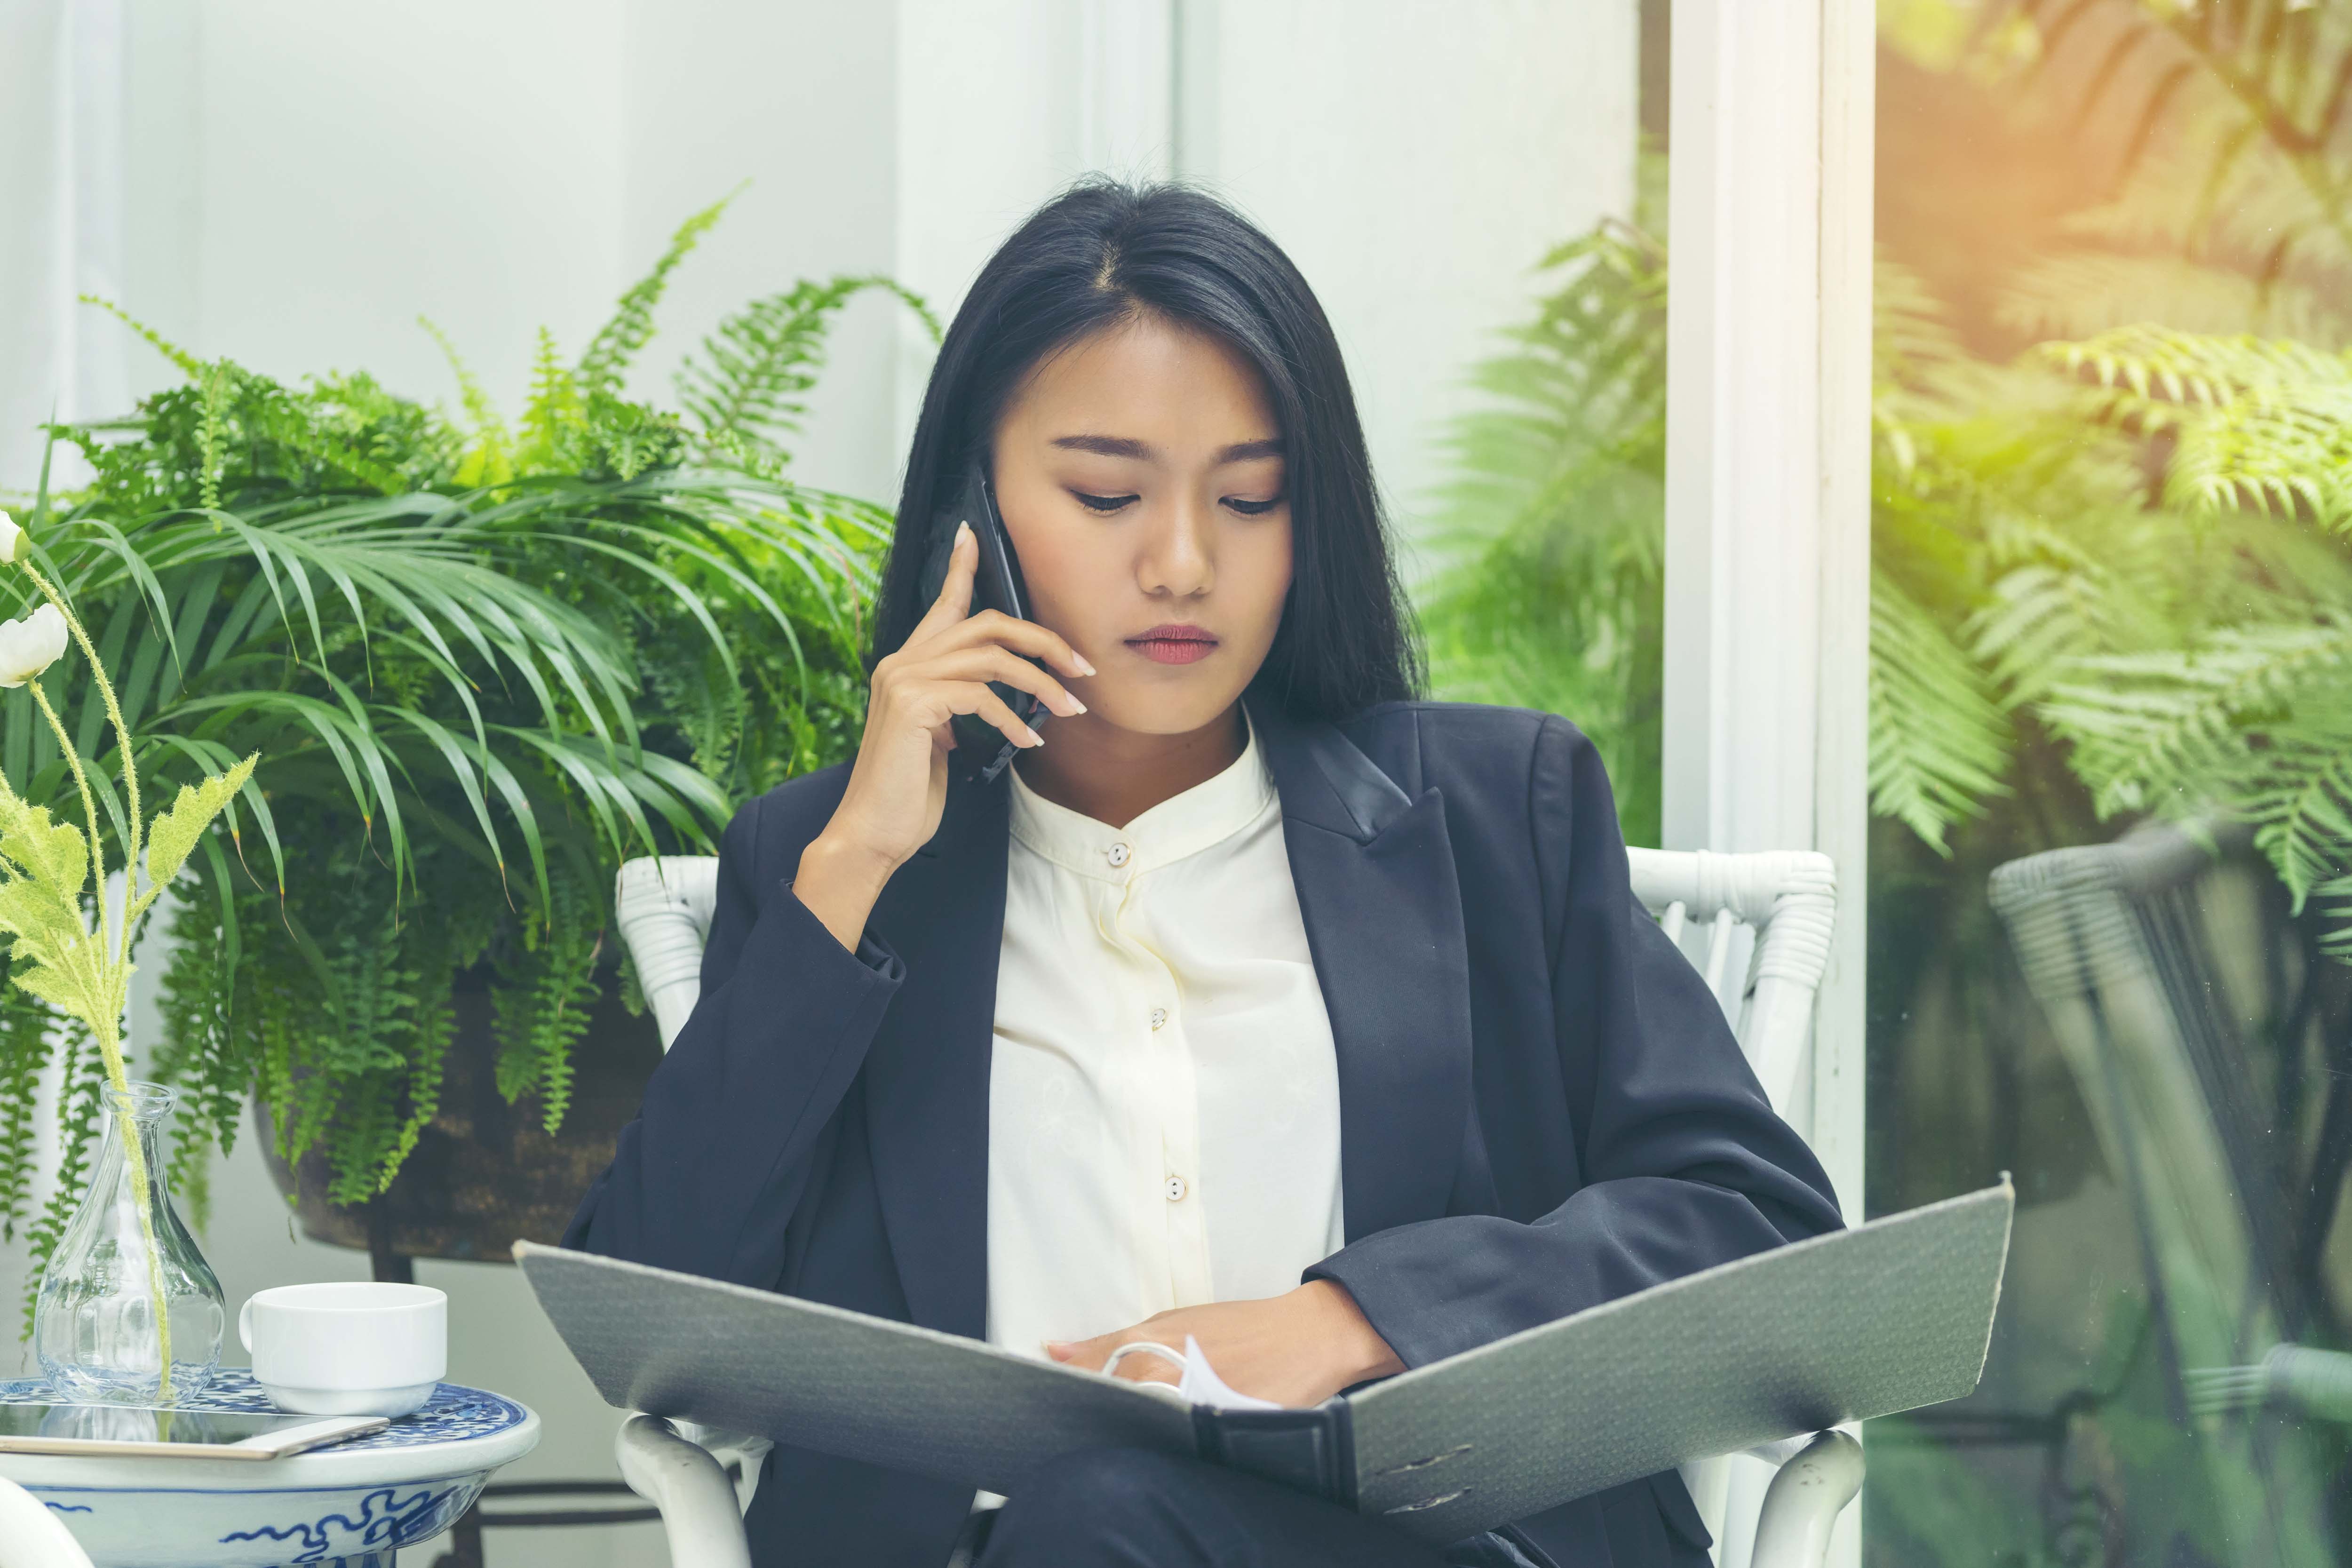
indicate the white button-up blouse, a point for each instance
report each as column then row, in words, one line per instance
column 1163, row 1095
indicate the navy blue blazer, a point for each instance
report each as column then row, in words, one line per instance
column 1541, row 1107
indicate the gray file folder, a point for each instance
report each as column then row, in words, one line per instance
column 1887, row 1317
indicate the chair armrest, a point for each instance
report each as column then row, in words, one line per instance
column 699, row 1515
column 2315, row 1383
column 664, row 907
column 739, row 1453
column 33, row 1537
column 1801, row 1505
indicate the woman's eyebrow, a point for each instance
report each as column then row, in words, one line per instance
column 1142, row 452
column 1108, row 447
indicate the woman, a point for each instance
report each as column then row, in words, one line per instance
column 1257, row 1004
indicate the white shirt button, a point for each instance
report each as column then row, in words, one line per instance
column 1118, row 855
column 1159, row 1016
column 1176, row 1189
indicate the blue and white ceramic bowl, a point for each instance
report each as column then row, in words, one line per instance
column 349, row 1502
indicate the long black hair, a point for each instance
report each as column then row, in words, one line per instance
column 1105, row 252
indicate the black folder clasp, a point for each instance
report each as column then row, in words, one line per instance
column 1313, row 1450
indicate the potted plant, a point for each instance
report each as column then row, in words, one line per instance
column 483, row 664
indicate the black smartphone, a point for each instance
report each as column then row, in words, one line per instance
column 982, row 749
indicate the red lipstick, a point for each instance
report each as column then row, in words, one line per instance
column 1175, row 643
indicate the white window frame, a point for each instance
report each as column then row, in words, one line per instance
column 1767, row 473
column 1768, row 491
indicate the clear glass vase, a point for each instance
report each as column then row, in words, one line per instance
column 119, row 1272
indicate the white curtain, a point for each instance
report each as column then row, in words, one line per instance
column 62, row 65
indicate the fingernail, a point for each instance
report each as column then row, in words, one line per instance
column 1086, row 665
column 1034, row 738
column 1060, row 1350
column 963, row 531
column 1076, row 706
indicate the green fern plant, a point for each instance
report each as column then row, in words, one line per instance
column 2183, row 640
column 1551, row 595
column 485, row 661
column 2250, row 710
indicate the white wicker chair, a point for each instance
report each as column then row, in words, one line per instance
column 1780, row 906
column 1757, row 927
column 33, row 1537
column 1777, row 907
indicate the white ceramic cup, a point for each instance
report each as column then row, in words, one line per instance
column 354, row 1348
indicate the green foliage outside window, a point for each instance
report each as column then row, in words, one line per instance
column 1553, row 596
column 484, row 663
column 2112, row 581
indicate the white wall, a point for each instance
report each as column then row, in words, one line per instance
column 60, row 187
column 297, row 184
column 1415, row 157
column 291, row 185
column 797, row 100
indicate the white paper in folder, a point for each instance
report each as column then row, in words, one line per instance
column 1884, row 1317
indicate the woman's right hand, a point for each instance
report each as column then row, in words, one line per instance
column 899, row 784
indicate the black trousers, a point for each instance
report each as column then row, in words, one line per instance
column 1128, row 1508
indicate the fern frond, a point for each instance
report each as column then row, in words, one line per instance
column 2263, row 423
column 2040, row 616
column 284, row 424
column 2182, row 200
column 2087, row 293
column 2170, row 726
column 490, row 460
column 1939, row 743
column 2244, row 109
column 190, row 366
column 2299, row 798
column 208, row 436
column 546, row 998
column 1919, row 371
column 1551, row 531
column 616, row 342
column 745, row 389
column 555, row 416
column 25, row 1030
column 2337, row 943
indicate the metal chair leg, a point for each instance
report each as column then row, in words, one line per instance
column 465, row 1541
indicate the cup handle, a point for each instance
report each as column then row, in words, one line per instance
column 244, row 1325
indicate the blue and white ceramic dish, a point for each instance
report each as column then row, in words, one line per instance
column 353, row 1503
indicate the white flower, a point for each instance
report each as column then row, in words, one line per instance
column 14, row 541
column 30, row 646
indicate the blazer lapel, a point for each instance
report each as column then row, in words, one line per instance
column 927, row 1069
column 1374, row 873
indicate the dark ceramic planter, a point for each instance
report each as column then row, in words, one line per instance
column 484, row 1173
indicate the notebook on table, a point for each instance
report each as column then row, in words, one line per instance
column 1882, row 1318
